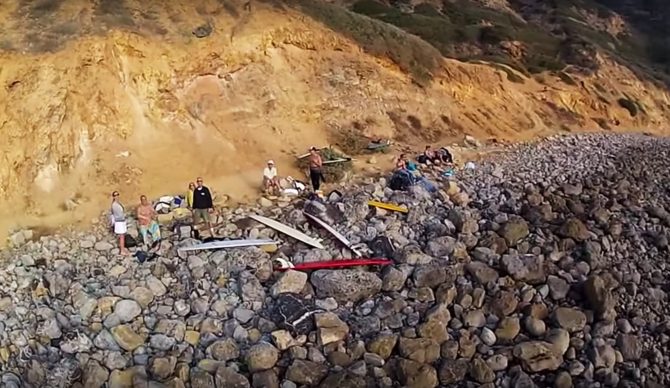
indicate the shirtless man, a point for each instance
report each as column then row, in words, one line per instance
column 315, row 168
column 146, row 219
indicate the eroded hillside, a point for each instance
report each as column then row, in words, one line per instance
column 124, row 95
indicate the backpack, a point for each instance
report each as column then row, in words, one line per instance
column 143, row 256
column 382, row 247
column 130, row 241
column 401, row 180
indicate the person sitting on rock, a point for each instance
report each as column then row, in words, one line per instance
column 401, row 163
column 146, row 216
column 430, row 155
column 271, row 179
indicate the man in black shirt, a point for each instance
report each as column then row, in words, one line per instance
column 202, row 205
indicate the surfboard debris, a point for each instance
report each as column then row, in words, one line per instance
column 388, row 206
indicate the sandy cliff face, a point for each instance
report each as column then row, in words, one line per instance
column 95, row 98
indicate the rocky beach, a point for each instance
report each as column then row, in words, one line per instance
column 547, row 265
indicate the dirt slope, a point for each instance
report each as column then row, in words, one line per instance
column 96, row 96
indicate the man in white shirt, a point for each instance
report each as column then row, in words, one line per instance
column 270, row 178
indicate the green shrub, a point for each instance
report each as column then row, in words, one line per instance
column 565, row 77
column 629, row 105
column 600, row 88
column 602, row 123
column 427, row 10
column 538, row 63
column 371, row 8
column 461, row 22
column 114, row 13
column 512, row 76
column 44, row 8
column 413, row 55
column 494, row 34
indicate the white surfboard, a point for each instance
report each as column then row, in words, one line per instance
column 334, row 232
column 287, row 230
column 341, row 160
column 227, row 244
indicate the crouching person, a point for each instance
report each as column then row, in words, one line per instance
column 271, row 179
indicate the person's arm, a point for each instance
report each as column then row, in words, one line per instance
column 319, row 161
column 208, row 199
column 141, row 216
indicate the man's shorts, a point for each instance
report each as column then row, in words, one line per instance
column 201, row 215
column 153, row 229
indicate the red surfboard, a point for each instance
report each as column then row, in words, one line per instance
column 335, row 264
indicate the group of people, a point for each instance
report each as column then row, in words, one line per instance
column 429, row 157
column 198, row 200
column 271, row 178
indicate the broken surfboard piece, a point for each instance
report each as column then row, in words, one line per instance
column 340, row 160
column 283, row 265
column 228, row 244
column 287, row 230
column 339, row 236
column 303, row 156
column 388, row 206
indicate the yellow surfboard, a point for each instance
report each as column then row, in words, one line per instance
column 388, row 206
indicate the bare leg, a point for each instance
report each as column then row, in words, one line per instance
column 122, row 245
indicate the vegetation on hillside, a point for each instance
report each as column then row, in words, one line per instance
column 547, row 36
column 529, row 37
column 411, row 54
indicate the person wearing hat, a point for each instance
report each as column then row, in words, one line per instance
column 270, row 178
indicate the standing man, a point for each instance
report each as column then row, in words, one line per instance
column 202, row 205
column 146, row 216
column 119, row 221
column 315, row 168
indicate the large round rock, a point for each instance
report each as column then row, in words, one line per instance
column 346, row 284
